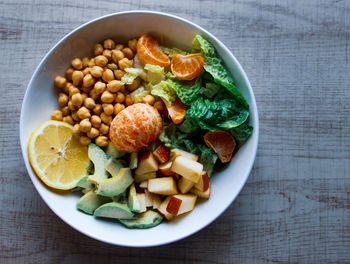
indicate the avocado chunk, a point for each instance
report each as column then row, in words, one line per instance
column 83, row 183
column 114, row 210
column 133, row 201
column 145, row 220
column 90, row 167
column 90, row 201
column 133, row 160
column 99, row 159
column 115, row 185
column 121, row 198
column 113, row 166
column 113, row 152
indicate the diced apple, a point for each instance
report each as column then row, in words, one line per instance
column 142, row 200
column 163, row 186
column 174, row 205
column 165, row 169
column 147, row 163
column 144, row 184
column 179, row 152
column 185, row 185
column 188, row 202
column 156, row 201
column 161, row 154
column 144, row 177
column 203, row 183
column 176, row 176
column 204, row 195
column 148, row 199
column 190, row 169
column 162, row 209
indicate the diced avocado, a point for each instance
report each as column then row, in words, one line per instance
column 145, row 220
column 83, row 183
column 121, row 198
column 90, row 167
column 115, row 185
column 90, row 201
column 99, row 159
column 113, row 152
column 133, row 201
column 113, row 166
column 114, row 210
column 133, row 160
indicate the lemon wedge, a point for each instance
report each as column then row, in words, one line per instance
column 56, row 155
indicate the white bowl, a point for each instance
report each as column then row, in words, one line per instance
column 40, row 100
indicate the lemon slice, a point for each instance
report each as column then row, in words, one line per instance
column 56, row 155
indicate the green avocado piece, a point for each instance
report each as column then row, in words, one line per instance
column 90, row 201
column 114, row 210
column 133, row 201
column 115, row 185
column 113, row 166
column 147, row 219
column 99, row 159
column 83, row 183
column 121, row 198
column 113, row 152
column 133, row 160
column 90, row 167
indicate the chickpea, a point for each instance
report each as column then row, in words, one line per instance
column 85, row 61
column 83, row 113
column 67, row 87
column 69, row 73
column 108, row 75
column 108, row 109
column 68, row 120
column 117, row 55
column 119, row 46
column 148, row 99
column 159, row 106
column 93, row 94
column 93, row 133
column 77, row 99
column 84, row 140
column 134, row 85
column 96, row 71
column 109, row 44
column 104, row 129
column 57, row 115
column 128, row 53
column 98, row 49
column 77, row 77
column 107, row 119
column 60, row 81
column 85, row 125
column 100, row 87
column 62, row 99
column 128, row 100
column 125, row 63
column 101, row 61
column 107, row 97
column 98, row 109
column 112, row 66
column 73, row 90
column 119, row 98
column 75, row 116
column 119, row 74
column 95, row 121
column 118, row 107
column 77, row 64
column 86, row 71
column 132, row 44
column 65, row 111
column 71, row 106
column 91, row 63
column 114, row 86
column 101, row 141
column 84, row 96
column 76, row 129
column 86, row 89
column 108, row 54
column 88, row 80
column 89, row 103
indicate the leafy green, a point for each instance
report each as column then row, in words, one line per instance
column 131, row 75
column 210, row 89
column 154, row 68
column 165, row 91
column 187, row 92
column 202, row 45
column 208, row 158
column 242, row 133
column 138, row 94
column 172, row 51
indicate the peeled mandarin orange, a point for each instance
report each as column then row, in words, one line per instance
column 177, row 111
column 134, row 127
column 56, row 155
column 222, row 143
column 149, row 52
column 187, row 67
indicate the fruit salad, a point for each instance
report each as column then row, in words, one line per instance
column 140, row 129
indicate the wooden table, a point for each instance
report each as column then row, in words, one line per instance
column 295, row 207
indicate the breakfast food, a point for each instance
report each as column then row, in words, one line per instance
column 140, row 129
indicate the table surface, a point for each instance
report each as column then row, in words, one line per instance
column 295, row 207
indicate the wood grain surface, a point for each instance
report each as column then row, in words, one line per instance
column 295, row 207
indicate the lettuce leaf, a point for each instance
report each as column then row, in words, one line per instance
column 172, row 51
column 131, row 75
column 154, row 68
column 165, row 91
column 187, row 92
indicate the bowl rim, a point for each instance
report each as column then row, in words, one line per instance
column 253, row 107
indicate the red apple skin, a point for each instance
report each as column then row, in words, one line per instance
column 165, row 169
column 175, row 176
column 205, row 179
column 144, row 156
column 173, row 205
column 161, row 154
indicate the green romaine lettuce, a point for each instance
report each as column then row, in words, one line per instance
column 154, row 68
column 165, row 91
column 187, row 92
column 131, row 75
column 172, row 51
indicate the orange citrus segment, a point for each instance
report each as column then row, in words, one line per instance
column 56, row 155
column 187, row 67
column 149, row 52
column 222, row 143
column 177, row 111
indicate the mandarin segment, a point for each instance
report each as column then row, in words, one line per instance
column 222, row 143
column 187, row 67
column 149, row 52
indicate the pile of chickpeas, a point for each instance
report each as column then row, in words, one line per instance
column 92, row 93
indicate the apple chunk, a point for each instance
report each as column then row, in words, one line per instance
column 204, row 195
column 179, row 152
column 142, row 200
column 156, row 201
column 174, row 205
column 163, row 186
column 187, row 168
column 188, row 201
column 185, row 185
column 144, row 177
column 147, row 163
column 203, row 183
column 161, row 154
column 162, row 209
column 165, row 169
